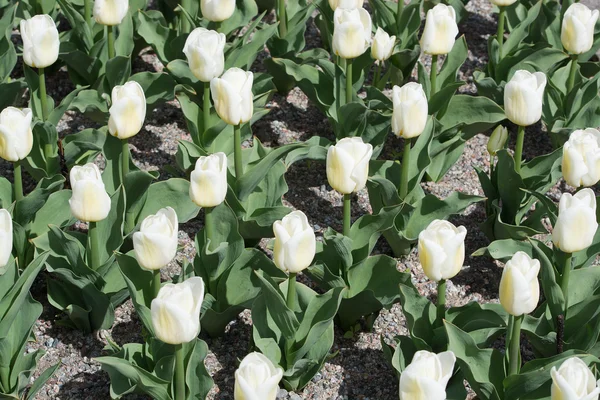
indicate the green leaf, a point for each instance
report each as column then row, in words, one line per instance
column 284, row 318
column 472, row 114
column 197, row 378
column 173, row 193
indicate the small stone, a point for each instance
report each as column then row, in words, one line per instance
column 282, row 394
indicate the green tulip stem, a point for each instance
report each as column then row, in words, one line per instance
column 87, row 12
column 347, row 213
column 290, row 300
column 155, row 282
column 179, row 373
column 433, row 75
column 18, row 178
column 399, row 13
column 110, row 40
column 564, row 283
column 514, row 360
column 519, row 149
column 441, row 301
column 281, row 16
column 500, row 34
column 186, row 26
column 572, row 73
column 43, row 98
column 209, row 227
column 348, row 80
column 377, row 73
column 403, row 191
column 124, row 160
column 205, row 109
column 237, row 151
column 94, row 245
column 491, row 165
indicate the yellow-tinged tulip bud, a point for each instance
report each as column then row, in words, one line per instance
column 6, row 237
column 89, row 201
column 410, row 110
column 523, row 97
column 155, row 245
column 110, row 12
column 217, row 10
column 257, row 378
column 497, row 140
column 581, row 158
column 348, row 165
column 232, row 96
column 519, row 286
column 427, row 376
column 383, row 45
column 576, row 224
column 40, row 41
column 295, row 243
column 573, row 380
column 16, row 138
column 128, row 110
column 578, row 25
column 204, row 52
column 442, row 249
column 208, row 181
column 440, row 30
column 351, row 32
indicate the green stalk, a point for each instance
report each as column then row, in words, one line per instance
column 18, row 178
column 94, row 245
column 209, row 226
column 399, row 14
column 348, row 80
column 519, row 149
column 205, row 109
column 237, row 151
column 347, row 213
column 110, row 38
column 87, row 12
column 377, row 74
column 564, row 283
column 404, row 172
column 281, row 16
column 500, row 33
column 124, row 160
column 290, row 300
column 491, row 166
column 179, row 373
column 572, row 73
column 441, row 301
column 43, row 99
column 433, row 75
column 186, row 26
column 515, row 347
column 156, row 282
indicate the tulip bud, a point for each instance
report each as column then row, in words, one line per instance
column 16, row 138
column 40, row 41
column 576, row 223
column 519, row 286
column 217, row 10
column 232, row 96
column 128, row 110
column 155, row 245
column 89, row 201
column 442, row 249
column 410, row 110
column 581, row 158
column 523, row 97
column 176, row 311
column 440, row 30
column 383, row 45
column 502, row 3
column 204, row 52
column 427, row 376
column 208, row 181
column 257, row 378
column 497, row 140
column 295, row 243
column 347, row 4
column 110, row 12
column 6, row 237
column 351, row 32
column 574, row 381
column 578, row 25
column 348, row 165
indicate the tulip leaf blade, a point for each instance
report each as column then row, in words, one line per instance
column 284, row 318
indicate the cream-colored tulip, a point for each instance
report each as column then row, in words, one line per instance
column 348, row 165
column 155, row 245
column 440, row 30
column 383, row 45
column 128, row 110
column 519, row 286
column 427, row 376
column 442, row 249
column 581, row 158
column 89, row 201
column 16, row 138
column 410, row 110
column 6, row 237
column 217, row 10
column 110, row 12
column 351, row 32
column 176, row 311
column 295, row 243
column 578, row 25
column 208, row 181
column 232, row 96
column 40, row 41
column 204, row 50
column 503, row 3
column 523, row 96
column 497, row 140
column 576, row 224
column 257, row 378
column 348, row 4
column 573, row 380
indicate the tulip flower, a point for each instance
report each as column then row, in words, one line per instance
column 16, row 141
column 295, row 243
column 208, row 180
column 578, row 24
column 440, row 30
column 40, row 41
column 383, row 45
column 519, row 286
column 573, row 380
column 347, row 4
column 217, row 10
column 502, row 3
column 497, row 140
column 427, row 376
column 351, row 32
column 110, row 12
column 6, row 237
column 581, row 158
column 155, row 245
column 257, row 378
column 576, row 224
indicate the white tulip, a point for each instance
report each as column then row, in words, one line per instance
column 257, row 378
column 576, row 223
column 351, row 32
column 523, row 97
column 578, row 25
column 410, row 110
column 383, row 45
column 16, row 138
column 442, row 249
column 502, row 3
column 581, row 158
column 204, row 50
column 40, row 41
column 208, row 181
column 110, row 12
column 176, row 311
column 427, row 376
column 348, row 4
column 295, row 243
column 155, row 245
column 89, row 201
column 573, row 380
column 348, row 165
column 440, row 30
column 519, row 286
column 497, row 140
column 128, row 110
column 232, row 96
column 217, row 10
column 6, row 237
